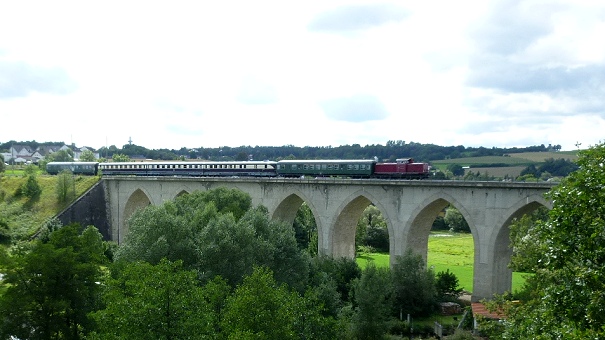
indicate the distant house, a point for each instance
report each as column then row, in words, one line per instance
column 23, row 153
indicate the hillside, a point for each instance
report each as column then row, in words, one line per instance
column 24, row 216
column 509, row 164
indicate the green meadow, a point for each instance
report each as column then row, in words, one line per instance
column 446, row 251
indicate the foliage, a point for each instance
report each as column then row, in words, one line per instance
column 568, row 295
column 52, row 287
column 413, row 286
column 455, row 220
column 145, row 301
column 65, row 155
column 2, row 164
column 372, row 296
column 455, row 169
column 65, row 189
column 305, row 229
column 217, row 233
column 87, row 156
column 372, row 230
column 119, row 157
column 260, row 308
column 31, row 188
column 342, row 270
column 447, row 287
column 526, row 253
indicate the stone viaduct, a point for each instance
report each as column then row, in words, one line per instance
column 409, row 207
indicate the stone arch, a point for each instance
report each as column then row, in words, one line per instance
column 502, row 252
column 137, row 200
column 342, row 235
column 181, row 193
column 287, row 209
column 421, row 220
column 370, row 200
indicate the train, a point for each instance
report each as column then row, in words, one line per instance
column 402, row 168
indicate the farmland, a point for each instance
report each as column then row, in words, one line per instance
column 501, row 166
column 447, row 251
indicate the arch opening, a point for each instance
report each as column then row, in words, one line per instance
column 138, row 200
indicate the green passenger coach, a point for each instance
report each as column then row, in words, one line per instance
column 349, row 168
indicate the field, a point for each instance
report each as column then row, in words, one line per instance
column 30, row 214
column 447, row 251
column 511, row 164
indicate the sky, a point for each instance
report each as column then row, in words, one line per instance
column 172, row 74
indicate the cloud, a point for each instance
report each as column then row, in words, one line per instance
column 357, row 17
column 256, row 92
column 515, row 77
column 512, row 26
column 19, row 79
column 356, row 109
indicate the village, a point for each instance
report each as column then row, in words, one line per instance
column 19, row 154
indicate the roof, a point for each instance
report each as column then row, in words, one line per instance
column 480, row 309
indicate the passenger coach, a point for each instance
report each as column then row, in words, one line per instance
column 78, row 168
column 347, row 168
column 250, row 168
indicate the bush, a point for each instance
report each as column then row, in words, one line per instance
column 31, row 188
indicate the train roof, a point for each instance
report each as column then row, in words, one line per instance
column 328, row 161
column 70, row 163
column 192, row 163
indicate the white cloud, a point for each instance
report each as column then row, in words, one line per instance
column 190, row 73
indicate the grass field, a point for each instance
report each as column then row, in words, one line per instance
column 447, row 251
column 30, row 214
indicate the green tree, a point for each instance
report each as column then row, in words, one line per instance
column 305, row 229
column 52, row 287
column 218, row 233
column 373, row 301
column 119, row 157
column 2, row 164
column 456, row 221
column 447, row 287
column 523, row 239
column 260, row 308
column 87, row 156
column 413, row 286
column 65, row 155
column 455, row 169
column 65, row 188
column 567, row 291
column 372, row 230
column 145, row 301
column 31, row 188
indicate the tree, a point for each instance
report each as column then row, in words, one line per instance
column 65, row 155
column 260, row 308
column 119, row 157
column 31, row 188
column 455, row 169
column 162, row 301
column 65, row 188
column 456, row 221
column 372, row 230
column 447, row 286
column 87, row 156
column 218, row 233
column 526, row 253
column 567, row 291
column 2, row 164
column 372, row 293
column 52, row 287
column 305, row 229
column 413, row 286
